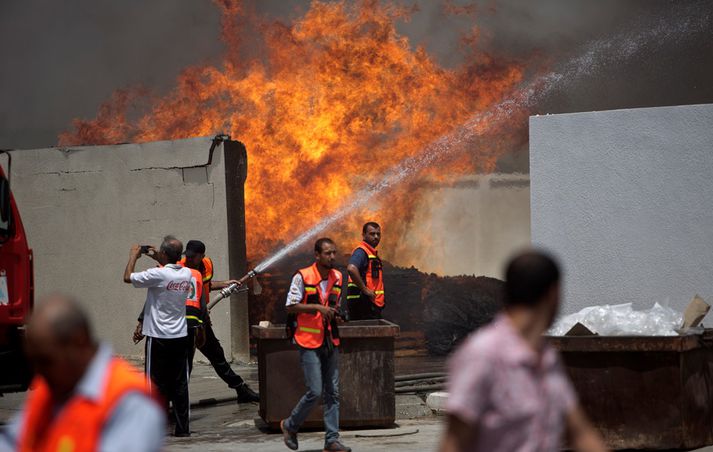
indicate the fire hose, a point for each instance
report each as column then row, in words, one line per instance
column 236, row 288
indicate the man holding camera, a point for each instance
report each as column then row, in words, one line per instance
column 312, row 309
column 167, row 343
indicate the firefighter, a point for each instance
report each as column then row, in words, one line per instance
column 83, row 397
column 365, row 290
column 312, row 310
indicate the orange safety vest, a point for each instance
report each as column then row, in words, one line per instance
column 374, row 277
column 194, row 311
column 206, row 270
column 310, row 327
column 78, row 425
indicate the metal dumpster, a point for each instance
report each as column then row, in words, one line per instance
column 366, row 375
column 644, row 392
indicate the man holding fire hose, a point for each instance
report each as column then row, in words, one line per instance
column 207, row 342
column 312, row 311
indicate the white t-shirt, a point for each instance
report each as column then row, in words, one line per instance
column 165, row 308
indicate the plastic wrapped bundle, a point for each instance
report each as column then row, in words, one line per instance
column 622, row 320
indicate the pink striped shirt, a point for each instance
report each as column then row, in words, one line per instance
column 515, row 398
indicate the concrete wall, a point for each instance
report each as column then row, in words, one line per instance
column 625, row 198
column 470, row 227
column 83, row 207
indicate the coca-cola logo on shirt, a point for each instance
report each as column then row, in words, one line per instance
column 179, row 286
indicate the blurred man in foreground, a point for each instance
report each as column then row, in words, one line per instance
column 507, row 389
column 83, row 398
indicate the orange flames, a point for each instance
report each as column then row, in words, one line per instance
column 326, row 106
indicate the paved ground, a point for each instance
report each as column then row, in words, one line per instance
column 218, row 423
column 227, row 425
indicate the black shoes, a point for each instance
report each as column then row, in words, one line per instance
column 337, row 446
column 289, row 437
column 245, row 394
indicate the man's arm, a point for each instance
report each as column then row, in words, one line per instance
column 218, row 285
column 294, row 298
column 134, row 255
column 458, row 436
column 353, row 269
column 581, row 434
column 303, row 308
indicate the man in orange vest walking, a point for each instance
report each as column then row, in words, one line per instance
column 312, row 309
column 365, row 291
column 83, row 398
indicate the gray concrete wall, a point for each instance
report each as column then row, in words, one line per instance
column 83, row 207
column 470, row 227
column 625, row 198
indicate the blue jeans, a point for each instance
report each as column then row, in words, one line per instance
column 321, row 369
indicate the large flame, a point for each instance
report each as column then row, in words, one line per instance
column 325, row 106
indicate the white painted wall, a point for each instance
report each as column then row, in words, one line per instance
column 625, row 198
column 83, row 207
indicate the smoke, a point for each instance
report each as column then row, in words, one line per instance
column 61, row 60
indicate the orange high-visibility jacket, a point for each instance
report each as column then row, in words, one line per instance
column 206, row 270
column 194, row 311
column 374, row 277
column 78, row 426
column 311, row 327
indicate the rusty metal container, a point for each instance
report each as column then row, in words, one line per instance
column 644, row 392
column 366, row 375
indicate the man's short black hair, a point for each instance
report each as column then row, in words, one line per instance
column 369, row 224
column 320, row 242
column 172, row 248
column 528, row 278
column 194, row 247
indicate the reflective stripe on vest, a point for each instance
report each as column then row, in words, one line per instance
column 374, row 276
column 310, row 327
column 78, row 426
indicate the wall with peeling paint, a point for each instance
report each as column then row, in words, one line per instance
column 624, row 198
column 83, row 207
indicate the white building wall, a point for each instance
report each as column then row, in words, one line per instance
column 625, row 199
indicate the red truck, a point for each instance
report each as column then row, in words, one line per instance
column 16, row 289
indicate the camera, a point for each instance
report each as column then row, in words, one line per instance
column 145, row 249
